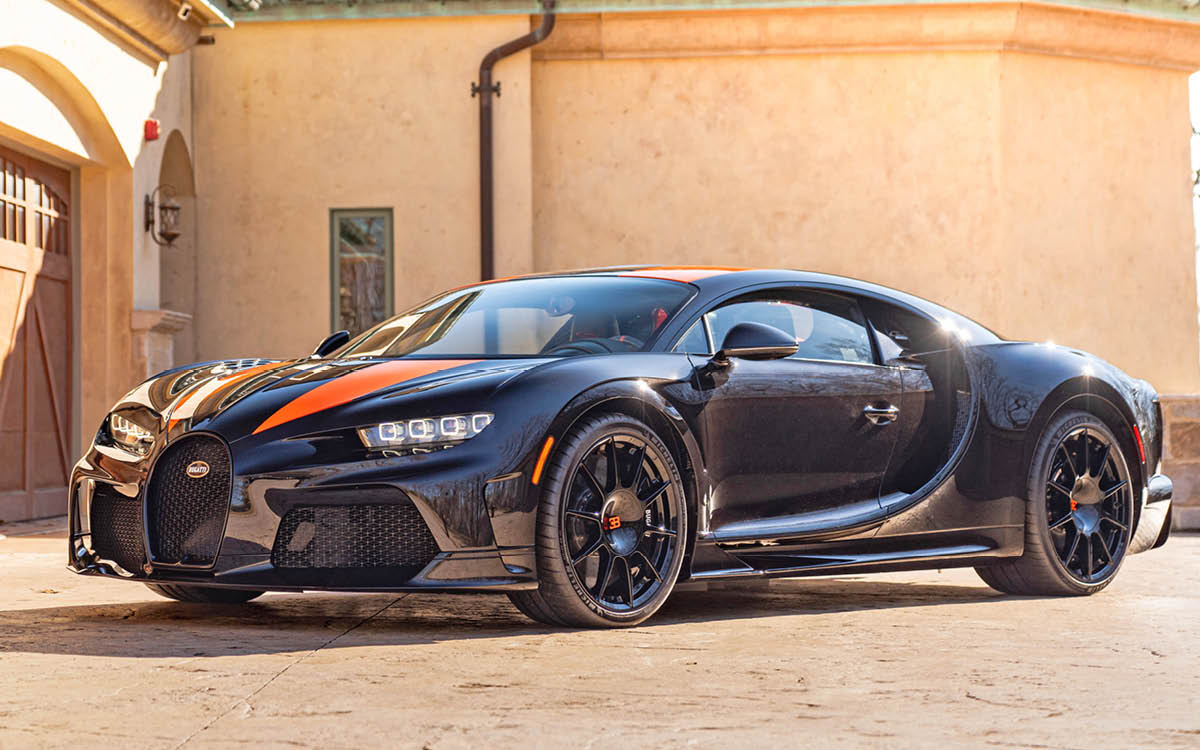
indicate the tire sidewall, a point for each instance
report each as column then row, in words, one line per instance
column 575, row 448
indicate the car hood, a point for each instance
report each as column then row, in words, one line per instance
column 276, row 399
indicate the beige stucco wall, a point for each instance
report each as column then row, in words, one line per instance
column 76, row 94
column 1024, row 165
column 295, row 119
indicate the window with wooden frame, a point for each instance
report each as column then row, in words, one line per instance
column 31, row 212
column 361, row 267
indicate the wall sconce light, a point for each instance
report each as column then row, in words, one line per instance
column 162, row 203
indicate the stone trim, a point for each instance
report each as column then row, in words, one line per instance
column 1181, row 457
column 1036, row 28
column 154, row 339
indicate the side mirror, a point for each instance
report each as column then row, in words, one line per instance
column 755, row 341
column 332, row 343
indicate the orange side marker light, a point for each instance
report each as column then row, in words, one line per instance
column 541, row 462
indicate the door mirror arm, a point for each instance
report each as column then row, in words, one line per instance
column 332, row 343
column 753, row 341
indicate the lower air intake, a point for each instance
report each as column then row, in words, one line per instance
column 116, row 526
column 354, row 536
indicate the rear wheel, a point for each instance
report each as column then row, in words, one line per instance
column 612, row 527
column 203, row 594
column 1079, row 514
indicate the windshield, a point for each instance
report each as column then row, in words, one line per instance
column 559, row 316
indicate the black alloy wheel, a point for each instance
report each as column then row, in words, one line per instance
column 1079, row 518
column 612, row 527
column 619, row 523
column 1088, row 505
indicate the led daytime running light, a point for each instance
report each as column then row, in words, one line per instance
column 450, row 429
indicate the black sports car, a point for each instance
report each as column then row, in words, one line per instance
column 584, row 441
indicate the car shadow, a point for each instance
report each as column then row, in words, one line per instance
column 280, row 623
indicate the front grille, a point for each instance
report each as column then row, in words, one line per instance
column 186, row 510
column 354, row 536
column 116, row 526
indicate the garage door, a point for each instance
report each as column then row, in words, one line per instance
column 35, row 336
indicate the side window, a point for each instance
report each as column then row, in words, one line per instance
column 837, row 330
column 695, row 341
column 825, row 326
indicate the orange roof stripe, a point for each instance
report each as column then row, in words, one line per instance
column 355, row 384
column 684, row 274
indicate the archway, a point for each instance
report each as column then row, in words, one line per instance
column 177, row 262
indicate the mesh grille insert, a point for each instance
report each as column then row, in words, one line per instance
column 354, row 536
column 116, row 526
column 186, row 503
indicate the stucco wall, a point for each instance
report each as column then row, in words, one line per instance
column 1019, row 168
column 76, row 94
column 295, row 119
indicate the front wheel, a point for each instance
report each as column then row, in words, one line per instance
column 1079, row 514
column 203, row 594
column 612, row 527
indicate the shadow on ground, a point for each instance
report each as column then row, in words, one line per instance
column 290, row 622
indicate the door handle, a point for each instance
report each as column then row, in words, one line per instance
column 881, row 414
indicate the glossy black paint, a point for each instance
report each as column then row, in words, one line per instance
column 791, row 466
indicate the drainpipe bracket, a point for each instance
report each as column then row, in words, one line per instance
column 476, row 89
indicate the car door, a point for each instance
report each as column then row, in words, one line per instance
column 797, row 444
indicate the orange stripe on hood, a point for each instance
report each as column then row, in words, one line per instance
column 220, row 385
column 355, row 384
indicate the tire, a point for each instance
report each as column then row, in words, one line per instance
column 634, row 517
column 203, row 594
column 1077, row 518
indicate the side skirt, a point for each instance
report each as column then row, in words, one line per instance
column 943, row 549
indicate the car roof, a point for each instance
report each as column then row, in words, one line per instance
column 716, row 280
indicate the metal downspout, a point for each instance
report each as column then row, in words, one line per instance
column 484, row 89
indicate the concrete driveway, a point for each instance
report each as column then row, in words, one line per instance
column 898, row 660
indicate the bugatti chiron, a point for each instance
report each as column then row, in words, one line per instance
column 585, row 441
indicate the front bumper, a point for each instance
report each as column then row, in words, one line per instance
column 483, row 529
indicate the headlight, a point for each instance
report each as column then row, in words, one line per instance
column 423, row 434
column 129, row 435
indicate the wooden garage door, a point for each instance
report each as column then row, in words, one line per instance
column 35, row 336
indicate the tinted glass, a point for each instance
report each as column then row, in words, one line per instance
column 825, row 326
column 695, row 341
column 530, row 317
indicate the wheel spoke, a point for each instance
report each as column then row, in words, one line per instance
column 590, row 478
column 603, row 574
column 1114, row 522
column 639, row 466
column 1104, row 547
column 654, row 492
column 1103, row 461
column 628, row 581
column 649, row 565
column 1088, row 556
column 1059, row 487
column 584, row 516
column 1071, row 552
column 1115, row 489
column 610, row 469
column 1062, row 521
column 591, row 550
column 658, row 531
column 1069, row 461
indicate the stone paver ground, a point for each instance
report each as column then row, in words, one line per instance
column 897, row 660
